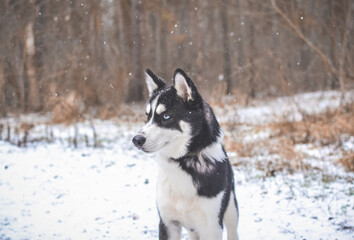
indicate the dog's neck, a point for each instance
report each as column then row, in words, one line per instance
column 210, row 154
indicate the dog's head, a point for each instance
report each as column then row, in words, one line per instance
column 175, row 115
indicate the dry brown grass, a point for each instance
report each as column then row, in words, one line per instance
column 283, row 156
column 347, row 160
column 320, row 129
column 324, row 128
column 68, row 109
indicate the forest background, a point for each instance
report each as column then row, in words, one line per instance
column 78, row 54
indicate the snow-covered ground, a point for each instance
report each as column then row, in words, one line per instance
column 55, row 191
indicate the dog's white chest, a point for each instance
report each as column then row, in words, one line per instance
column 175, row 186
column 177, row 198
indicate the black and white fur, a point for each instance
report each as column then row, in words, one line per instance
column 195, row 186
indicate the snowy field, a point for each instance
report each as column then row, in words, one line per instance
column 55, row 191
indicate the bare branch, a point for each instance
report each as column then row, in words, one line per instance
column 329, row 65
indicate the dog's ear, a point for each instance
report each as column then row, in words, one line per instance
column 184, row 86
column 153, row 82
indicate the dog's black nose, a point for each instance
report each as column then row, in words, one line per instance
column 139, row 141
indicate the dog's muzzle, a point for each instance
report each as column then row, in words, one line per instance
column 139, row 141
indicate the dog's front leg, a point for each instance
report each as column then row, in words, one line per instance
column 169, row 231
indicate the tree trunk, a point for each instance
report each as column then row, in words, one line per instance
column 153, row 49
column 33, row 102
column 2, row 91
column 18, row 73
column 342, row 57
column 226, row 46
column 135, row 92
column 163, row 51
column 251, row 54
column 240, row 36
column 332, row 80
column 121, row 32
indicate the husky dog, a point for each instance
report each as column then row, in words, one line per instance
column 195, row 186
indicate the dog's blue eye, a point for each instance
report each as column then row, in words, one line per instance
column 166, row 117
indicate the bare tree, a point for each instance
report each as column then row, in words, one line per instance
column 135, row 91
column 29, row 51
column 225, row 42
column 2, row 92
